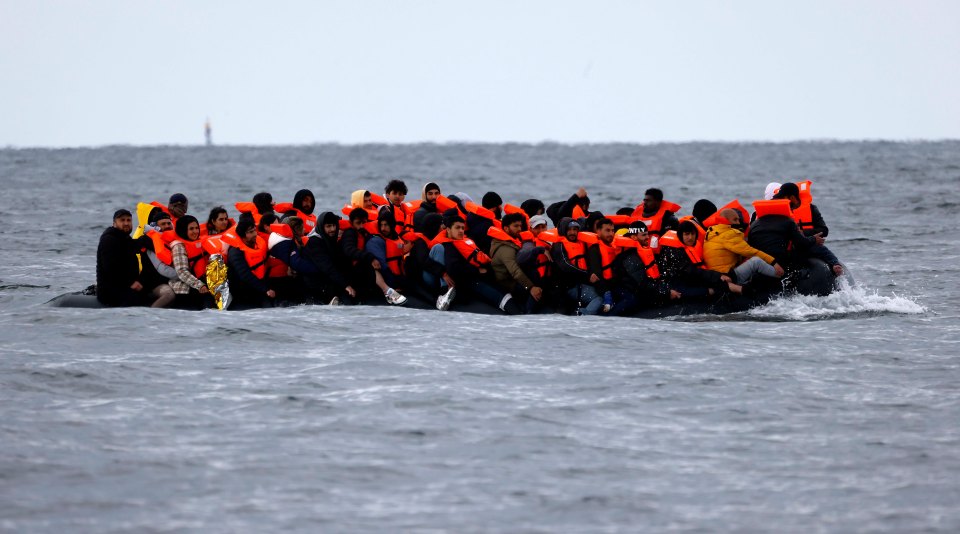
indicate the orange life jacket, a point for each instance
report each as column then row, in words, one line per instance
column 309, row 221
column 395, row 254
column 780, row 206
column 256, row 257
column 576, row 252
column 647, row 255
column 161, row 245
column 578, row 212
column 163, row 208
column 480, row 211
column 213, row 244
column 733, row 204
column 620, row 221
column 196, row 255
column 804, row 215
column 497, row 233
column 671, row 239
column 701, row 233
column 655, row 222
column 204, row 232
column 510, row 208
column 467, row 248
column 608, row 253
column 251, row 208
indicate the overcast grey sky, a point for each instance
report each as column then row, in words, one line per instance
column 149, row 72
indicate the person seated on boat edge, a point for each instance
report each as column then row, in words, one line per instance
column 118, row 274
column 468, row 266
column 681, row 266
column 364, row 274
column 388, row 249
column 811, row 223
column 330, row 283
column 428, row 205
column 535, row 261
column 640, row 283
column 247, row 266
column 777, row 233
column 261, row 205
column 570, row 274
column 505, row 244
column 575, row 207
column 156, row 260
column 190, row 261
column 287, row 264
column 478, row 221
column 402, row 212
column 217, row 222
column 423, row 272
column 726, row 251
column 659, row 215
column 601, row 258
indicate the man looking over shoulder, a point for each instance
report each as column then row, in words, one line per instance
column 118, row 273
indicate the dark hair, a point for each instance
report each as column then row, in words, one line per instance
column 431, row 224
column 121, row 213
column 788, row 190
column 158, row 214
column 655, row 193
column 214, row 213
column 244, row 226
column 491, row 200
column 511, row 218
column 264, row 202
column 625, row 211
column 703, row 209
column 592, row 219
column 396, row 185
column 265, row 221
column 604, row 221
column 357, row 214
column 183, row 223
column 299, row 198
column 687, row 227
column 532, row 206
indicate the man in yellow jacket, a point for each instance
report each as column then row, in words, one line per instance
column 724, row 248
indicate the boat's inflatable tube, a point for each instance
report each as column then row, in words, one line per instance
column 814, row 278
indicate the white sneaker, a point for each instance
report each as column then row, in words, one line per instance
column 444, row 301
column 335, row 301
column 395, row 298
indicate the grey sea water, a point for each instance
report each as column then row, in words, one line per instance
column 833, row 414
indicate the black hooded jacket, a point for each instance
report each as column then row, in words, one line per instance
column 117, row 267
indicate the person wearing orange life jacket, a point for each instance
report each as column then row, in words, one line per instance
column 601, row 259
column 570, row 268
column 190, row 261
column 364, row 268
column 156, row 260
column 217, row 223
column 468, row 266
column 657, row 214
column 287, row 265
column 534, row 255
column 640, row 280
column 402, row 211
column 509, row 276
column 247, row 266
column 302, row 206
column 428, row 204
column 389, row 250
column 682, row 267
column 775, row 232
column 726, row 251
column 810, row 221
column 424, row 273
column 478, row 221
column 261, row 205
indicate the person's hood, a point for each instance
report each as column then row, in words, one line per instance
column 429, row 186
column 564, row 225
column 298, row 200
column 531, row 206
column 356, row 198
column 274, row 239
column 771, row 190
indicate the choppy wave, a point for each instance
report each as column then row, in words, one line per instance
column 849, row 301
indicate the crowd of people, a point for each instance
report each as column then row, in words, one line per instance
column 448, row 249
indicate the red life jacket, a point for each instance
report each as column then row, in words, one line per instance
column 467, row 248
column 256, row 257
column 671, row 239
column 655, row 222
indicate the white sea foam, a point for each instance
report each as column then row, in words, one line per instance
column 849, row 300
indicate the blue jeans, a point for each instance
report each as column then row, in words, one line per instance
column 587, row 300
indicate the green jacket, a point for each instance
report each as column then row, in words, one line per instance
column 503, row 256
